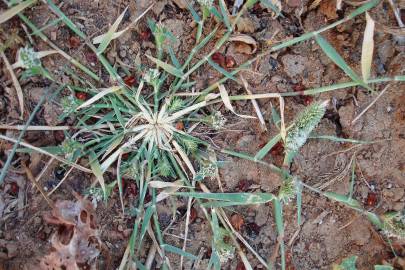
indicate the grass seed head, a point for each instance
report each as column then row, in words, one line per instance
column 303, row 126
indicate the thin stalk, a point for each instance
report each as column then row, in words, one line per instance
column 32, row 115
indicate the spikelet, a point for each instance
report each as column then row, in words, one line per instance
column 303, row 126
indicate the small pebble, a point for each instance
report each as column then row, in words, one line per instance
column 123, row 53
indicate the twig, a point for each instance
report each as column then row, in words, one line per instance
column 34, row 182
column 254, row 102
column 371, row 104
column 16, row 84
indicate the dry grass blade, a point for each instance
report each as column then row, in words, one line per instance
column 255, row 104
column 34, row 128
column 39, row 150
column 367, row 48
column 184, row 157
column 16, row 84
column 99, row 95
column 40, row 189
column 9, row 13
column 227, row 102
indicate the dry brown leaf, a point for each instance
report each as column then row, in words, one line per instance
column 328, row 8
column 244, row 25
column 77, row 241
column 367, row 48
column 237, row 221
column 244, row 43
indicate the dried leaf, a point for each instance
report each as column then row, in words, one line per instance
column 328, row 8
column 367, row 48
column 244, row 44
column 244, row 25
column 237, row 221
column 227, row 102
column 77, row 241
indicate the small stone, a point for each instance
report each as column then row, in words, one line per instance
column 123, row 53
column 53, row 35
column 294, row 64
column 398, row 206
column 398, row 194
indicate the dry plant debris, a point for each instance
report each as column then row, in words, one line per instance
column 76, row 244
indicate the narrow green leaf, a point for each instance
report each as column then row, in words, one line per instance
column 338, row 139
column 109, row 36
column 278, row 214
column 299, row 203
column 263, row 152
column 173, row 57
column 178, row 251
column 383, row 267
column 196, row 18
column 336, row 58
column 145, row 223
column 242, row 198
column 353, row 179
column 167, row 67
column 225, row 14
column 347, row 264
column 343, row 199
column 222, row 70
column 95, row 167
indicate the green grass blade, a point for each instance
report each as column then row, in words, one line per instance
column 167, row 67
column 95, row 167
column 269, row 4
column 383, row 267
column 343, row 199
column 224, row 12
column 11, row 12
column 337, row 59
column 65, row 19
column 353, row 179
column 173, row 57
column 109, row 36
column 145, row 223
column 221, row 70
column 278, row 213
column 193, row 12
column 178, row 251
column 299, row 203
column 337, row 139
column 240, row 198
column 263, row 152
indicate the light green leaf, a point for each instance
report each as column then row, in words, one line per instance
column 110, row 34
column 178, row 251
column 167, row 67
column 95, row 167
column 347, row 264
column 336, row 58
